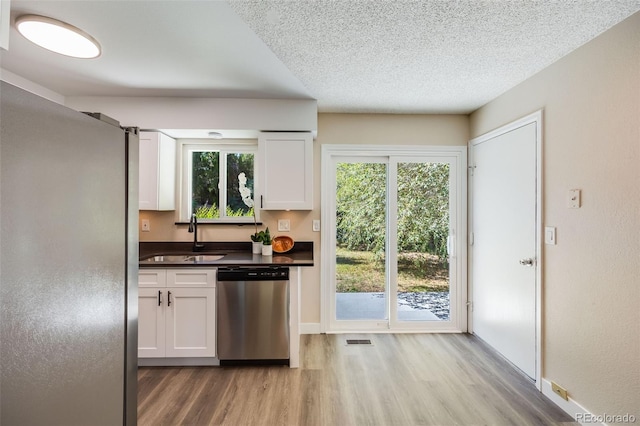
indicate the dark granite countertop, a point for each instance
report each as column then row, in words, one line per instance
column 180, row 254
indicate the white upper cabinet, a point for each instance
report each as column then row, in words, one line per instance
column 157, row 171
column 5, row 23
column 286, row 171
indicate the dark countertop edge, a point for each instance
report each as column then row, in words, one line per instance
column 155, row 248
column 240, row 254
column 220, row 265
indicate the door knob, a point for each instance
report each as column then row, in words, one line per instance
column 527, row 262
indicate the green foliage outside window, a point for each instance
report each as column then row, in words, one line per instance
column 236, row 164
column 205, row 184
column 360, row 200
column 423, row 207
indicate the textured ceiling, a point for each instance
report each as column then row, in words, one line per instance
column 396, row 56
column 403, row 56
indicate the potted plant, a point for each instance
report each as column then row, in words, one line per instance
column 256, row 240
column 267, row 248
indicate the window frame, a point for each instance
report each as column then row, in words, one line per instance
column 187, row 147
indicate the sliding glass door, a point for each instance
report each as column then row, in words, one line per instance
column 361, row 240
column 393, row 222
column 420, row 276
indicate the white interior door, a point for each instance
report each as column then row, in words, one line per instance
column 505, row 247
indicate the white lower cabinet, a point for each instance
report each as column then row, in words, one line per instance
column 177, row 319
column 151, row 329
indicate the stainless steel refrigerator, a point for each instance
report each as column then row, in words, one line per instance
column 68, row 265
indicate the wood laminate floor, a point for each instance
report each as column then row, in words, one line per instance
column 401, row 379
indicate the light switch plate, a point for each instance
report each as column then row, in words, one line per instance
column 550, row 235
column 284, row 225
column 573, row 199
column 146, row 225
column 316, row 225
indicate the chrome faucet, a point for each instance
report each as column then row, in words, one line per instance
column 193, row 227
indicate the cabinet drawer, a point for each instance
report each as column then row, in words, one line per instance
column 152, row 278
column 191, row 277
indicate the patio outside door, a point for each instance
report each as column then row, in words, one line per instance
column 393, row 232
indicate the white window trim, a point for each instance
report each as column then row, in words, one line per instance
column 184, row 189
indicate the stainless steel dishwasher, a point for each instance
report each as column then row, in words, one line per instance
column 253, row 315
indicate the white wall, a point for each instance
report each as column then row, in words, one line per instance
column 203, row 113
column 591, row 312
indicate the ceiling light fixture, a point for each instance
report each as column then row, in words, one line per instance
column 215, row 135
column 58, row 36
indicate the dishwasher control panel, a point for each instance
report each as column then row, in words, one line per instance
column 253, row 274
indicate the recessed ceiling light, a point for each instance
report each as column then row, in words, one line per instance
column 58, row 36
column 215, row 135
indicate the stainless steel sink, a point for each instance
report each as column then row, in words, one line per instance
column 186, row 258
column 206, row 257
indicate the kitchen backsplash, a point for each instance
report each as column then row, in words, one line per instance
column 163, row 227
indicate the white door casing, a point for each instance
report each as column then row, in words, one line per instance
column 457, row 158
column 506, row 247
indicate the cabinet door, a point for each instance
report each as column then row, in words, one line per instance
column 191, row 322
column 286, row 169
column 151, row 322
column 157, row 171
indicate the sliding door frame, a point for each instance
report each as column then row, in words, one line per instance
column 456, row 155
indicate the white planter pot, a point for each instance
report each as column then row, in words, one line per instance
column 256, row 248
column 267, row 250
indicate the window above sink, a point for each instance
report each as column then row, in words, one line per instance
column 211, row 181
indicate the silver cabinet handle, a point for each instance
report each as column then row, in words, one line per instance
column 527, row 262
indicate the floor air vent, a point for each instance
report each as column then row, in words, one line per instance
column 358, row 342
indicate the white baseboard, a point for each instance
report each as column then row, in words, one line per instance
column 310, row 328
column 571, row 407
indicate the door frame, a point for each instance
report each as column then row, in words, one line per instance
column 327, row 270
column 535, row 118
